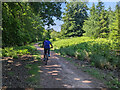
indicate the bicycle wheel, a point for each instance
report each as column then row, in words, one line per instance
column 46, row 59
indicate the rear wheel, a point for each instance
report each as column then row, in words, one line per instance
column 46, row 62
column 46, row 59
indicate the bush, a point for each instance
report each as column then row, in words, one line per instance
column 98, row 51
column 19, row 50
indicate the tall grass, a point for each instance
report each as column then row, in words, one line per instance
column 100, row 52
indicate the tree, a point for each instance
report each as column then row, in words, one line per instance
column 91, row 24
column 22, row 24
column 74, row 17
column 115, row 26
column 97, row 23
column 103, row 23
column 54, row 34
column 102, row 16
column 99, row 7
column 111, row 17
column 47, row 10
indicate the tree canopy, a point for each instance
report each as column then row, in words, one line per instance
column 24, row 22
column 74, row 16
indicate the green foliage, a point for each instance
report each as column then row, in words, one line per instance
column 10, row 73
column 47, row 10
column 109, row 79
column 19, row 28
column 103, row 23
column 54, row 39
column 76, row 13
column 98, row 51
column 15, row 51
column 97, row 24
column 8, row 52
column 23, row 24
column 113, row 83
column 54, row 34
column 33, row 71
column 115, row 27
column 33, row 68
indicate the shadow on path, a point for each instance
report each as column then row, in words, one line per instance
column 60, row 73
column 14, row 73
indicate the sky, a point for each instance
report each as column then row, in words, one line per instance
column 58, row 23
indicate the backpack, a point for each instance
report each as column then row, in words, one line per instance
column 46, row 44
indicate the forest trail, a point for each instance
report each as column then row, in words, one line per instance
column 60, row 73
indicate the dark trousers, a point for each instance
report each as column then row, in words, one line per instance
column 46, row 50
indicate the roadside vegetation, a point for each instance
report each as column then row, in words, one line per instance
column 99, row 53
column 31, row 64
column 14, row 52
column 93, row 37
column 107, row 76
column 22, row 25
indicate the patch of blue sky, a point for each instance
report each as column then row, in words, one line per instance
column 104, row 0
column 93, row 0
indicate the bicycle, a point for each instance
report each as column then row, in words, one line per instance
column 46, row 58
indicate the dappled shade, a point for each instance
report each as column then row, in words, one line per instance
column 15, row 73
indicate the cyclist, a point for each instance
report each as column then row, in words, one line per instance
column 46, row 45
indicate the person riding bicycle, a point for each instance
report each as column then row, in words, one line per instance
column 46, row 45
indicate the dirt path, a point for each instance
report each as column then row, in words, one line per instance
column 14, row 73
column 59, row 73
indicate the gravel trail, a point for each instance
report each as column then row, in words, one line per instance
column 60, row 73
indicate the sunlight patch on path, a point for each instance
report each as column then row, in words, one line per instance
column 10, row 61
column 86, row 81
column 53, row 65
column 54, row 74
column 60, row 73
column 40, row 71
column 58, row 79
column 77, row 79
column 67, row 86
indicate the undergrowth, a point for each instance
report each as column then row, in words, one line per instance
column 100, row 52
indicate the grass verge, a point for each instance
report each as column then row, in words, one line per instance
column 32, row 65
column 107, row 77
column 34, row 71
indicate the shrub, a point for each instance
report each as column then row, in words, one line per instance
column 18, row 50
column 98, row 51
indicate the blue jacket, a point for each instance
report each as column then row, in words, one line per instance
column 46, row 44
